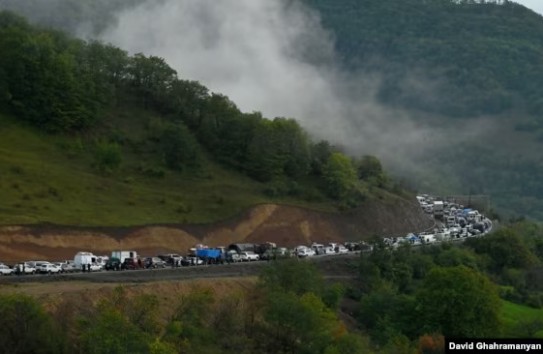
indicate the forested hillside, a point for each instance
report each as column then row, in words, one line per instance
column 479, row 57
column 451, row 63
column 92, row 135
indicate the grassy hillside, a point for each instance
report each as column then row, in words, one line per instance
column 51, row 178
column 517, row 318
column 93, row 136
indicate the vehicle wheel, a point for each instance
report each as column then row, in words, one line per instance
column 50, row 272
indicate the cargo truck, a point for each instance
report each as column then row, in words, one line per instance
column 438, row 209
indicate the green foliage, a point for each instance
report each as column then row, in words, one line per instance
column 456, row 256
column 44, row 82
column 180, row 149
column 233, row 321
column 110, row 332
column 488, row 68
column 458, row 302
column 506, row 248
column 107, row 156
column 158, row 347
column 27, row 329
column 278, row 148
column 146, row 120
column 122, row 324
column 521, row 321
column 387, row 314
column 332, row 295
column 369, row 168
column 339, row 175
column 320, row 154
column 350, row 344
column 152, row 79
column 300, row 324
column 293, row 276
column 188, row 327
column 391, row 38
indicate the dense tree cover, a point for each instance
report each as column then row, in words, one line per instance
column 456, row 59
column 27, row 328
column 65, row 85
column 450, row 289
column 473, row 57
column 468, row 308
column 277, row 316
column 44, row 82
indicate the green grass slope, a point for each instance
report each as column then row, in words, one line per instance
column 50, row 178
column 521, row 321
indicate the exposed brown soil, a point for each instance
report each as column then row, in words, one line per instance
column 285, row 225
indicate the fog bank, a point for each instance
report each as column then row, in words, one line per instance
column 268, row 56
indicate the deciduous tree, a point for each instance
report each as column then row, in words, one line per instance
column 459, row 302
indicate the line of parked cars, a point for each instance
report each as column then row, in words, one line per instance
column 453, row 222
column 199, row 255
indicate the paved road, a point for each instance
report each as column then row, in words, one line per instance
column 332, row 266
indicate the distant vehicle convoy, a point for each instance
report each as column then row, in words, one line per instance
column 453, row 222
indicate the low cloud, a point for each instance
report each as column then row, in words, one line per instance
column 273, row 57
column 276, row 58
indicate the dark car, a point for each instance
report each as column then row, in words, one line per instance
column 130, row 263
column 154, row 262
column 113, row 264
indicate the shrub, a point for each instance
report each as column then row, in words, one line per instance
column 107, row 157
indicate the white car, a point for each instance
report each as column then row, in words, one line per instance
column 24, row 268
column 342, row 249
column 191, row 261
column 47, row 268
column 249, row 256
column 95, row 267
column 67, row 267
column 305, row 252
column 233, row 257
column 5, row 270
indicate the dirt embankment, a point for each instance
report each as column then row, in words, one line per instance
column 285, row 225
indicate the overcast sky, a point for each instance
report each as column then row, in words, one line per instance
column 536, row 5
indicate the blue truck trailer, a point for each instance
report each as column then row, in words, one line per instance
column 211, row 255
